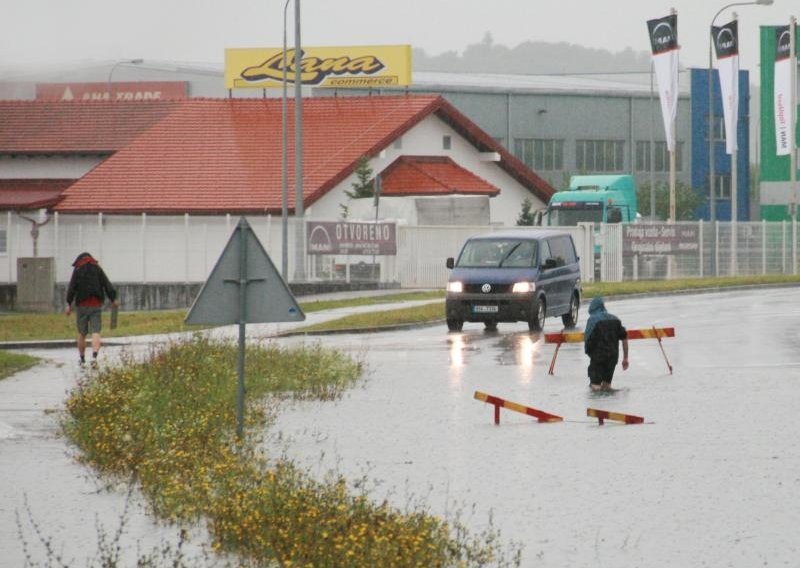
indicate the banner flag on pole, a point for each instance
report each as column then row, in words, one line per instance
column 664, row 43
column 726, row 46
column 783, row 89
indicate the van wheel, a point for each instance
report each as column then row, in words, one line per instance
column 536, row 323
column 570, row 318
column 490, row 325
column 455, row 324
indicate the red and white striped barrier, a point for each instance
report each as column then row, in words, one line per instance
column 577, row 337
column 502, row 403
column 602, row 415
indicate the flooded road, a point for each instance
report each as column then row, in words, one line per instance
column 712, row 480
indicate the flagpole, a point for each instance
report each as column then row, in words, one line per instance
column 793, row 113
column 672, row 179
column 734, row 163
column 672, row 168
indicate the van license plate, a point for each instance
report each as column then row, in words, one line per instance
column 485, row 309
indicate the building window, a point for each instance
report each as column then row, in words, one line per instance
column 719, row 128
column 398, row 143
column 661, row 156
column 600, row 155
column 3, row 241
column 446, row 142
column 540, row 154
column 722, row 186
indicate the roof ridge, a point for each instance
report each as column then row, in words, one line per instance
column 375, row 125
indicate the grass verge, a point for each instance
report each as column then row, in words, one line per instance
column 169, row 422
column 425, row 313
column 11, row 363
column 42, row 327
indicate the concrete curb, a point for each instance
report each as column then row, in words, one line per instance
column 374, row 329
column 51, row 344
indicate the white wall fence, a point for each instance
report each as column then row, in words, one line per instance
column 183, row 249
column 135, row 248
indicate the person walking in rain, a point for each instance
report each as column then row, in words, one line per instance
column 88, row 288
column 601, row 340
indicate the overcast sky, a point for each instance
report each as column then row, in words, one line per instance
column 55, row 31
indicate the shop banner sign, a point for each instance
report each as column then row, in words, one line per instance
column 669, row 239
column 664, row 43
column 782, row 96
column 117, row 91
column 726, row 45
column 332, row 237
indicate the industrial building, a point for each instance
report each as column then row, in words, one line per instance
column 557, row 125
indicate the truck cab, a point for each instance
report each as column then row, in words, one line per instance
column 593, row 199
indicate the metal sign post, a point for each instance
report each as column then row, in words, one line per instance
column 243, row 282
column 263, row 297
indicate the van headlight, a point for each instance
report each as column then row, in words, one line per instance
column 455, row 287
column 523, row 287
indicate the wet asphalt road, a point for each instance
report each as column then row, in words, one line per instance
column 711, row 481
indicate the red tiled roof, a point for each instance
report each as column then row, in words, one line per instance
column 92, row 127
column 23, row 194
column 431, row 175
column 215, row 156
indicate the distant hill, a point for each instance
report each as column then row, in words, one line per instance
column 531, row 58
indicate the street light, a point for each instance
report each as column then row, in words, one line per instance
column 711, row 125
column 298, row 154
column 137, row 61
column 299, row 211
column 284, row 167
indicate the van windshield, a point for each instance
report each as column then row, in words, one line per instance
column 494, row 253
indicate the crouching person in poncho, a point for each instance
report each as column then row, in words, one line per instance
column 601, row 340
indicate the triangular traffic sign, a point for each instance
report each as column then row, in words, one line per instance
column 245, row 265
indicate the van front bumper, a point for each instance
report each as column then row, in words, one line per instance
column 498, row 307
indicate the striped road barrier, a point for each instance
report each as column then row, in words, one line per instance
column 502, row 403
column 602, row 415
column 577, row 337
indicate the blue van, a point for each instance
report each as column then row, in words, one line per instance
column 512, row 276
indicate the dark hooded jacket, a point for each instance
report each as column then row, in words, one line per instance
column 89, row 285
column 603, row 332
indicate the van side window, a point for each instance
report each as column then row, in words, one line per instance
column 570, row 257
column 544, row 252
column 562, row 250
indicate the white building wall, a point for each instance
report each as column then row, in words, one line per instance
column 426, row 139
column 400, row 209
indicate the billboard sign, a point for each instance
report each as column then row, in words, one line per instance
column 117, row 91
column 361, row 67
column 332, row 237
